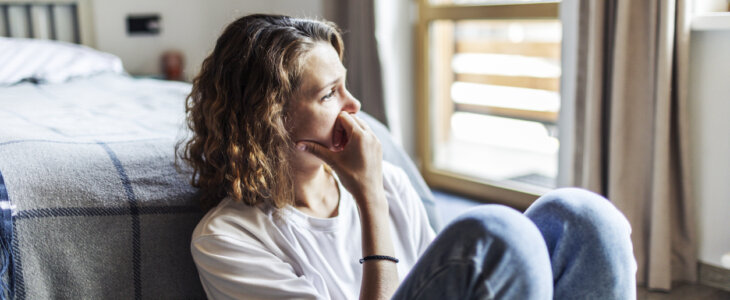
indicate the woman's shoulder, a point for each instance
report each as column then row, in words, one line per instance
column 394, row 177
column 232, row 220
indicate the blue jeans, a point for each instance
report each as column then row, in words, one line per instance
column 569, row 244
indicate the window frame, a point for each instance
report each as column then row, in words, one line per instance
column 517, row 195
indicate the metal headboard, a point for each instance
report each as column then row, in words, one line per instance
column 65, row 20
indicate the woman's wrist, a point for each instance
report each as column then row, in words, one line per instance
column 375, row 224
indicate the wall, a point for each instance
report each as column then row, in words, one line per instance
column 709, row 108
column 190, row 26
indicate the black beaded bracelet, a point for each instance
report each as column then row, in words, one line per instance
column 369, row 257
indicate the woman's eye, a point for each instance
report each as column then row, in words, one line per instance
column 329, row 95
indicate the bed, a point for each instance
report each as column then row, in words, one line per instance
column 92, row 204
column 88, row 187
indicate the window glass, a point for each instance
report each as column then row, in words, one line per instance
column 494, row 87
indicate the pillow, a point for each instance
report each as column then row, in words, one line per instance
column 51, row 61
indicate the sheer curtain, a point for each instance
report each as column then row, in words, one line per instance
column 631, row 141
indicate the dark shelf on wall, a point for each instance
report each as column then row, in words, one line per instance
column 147, row 24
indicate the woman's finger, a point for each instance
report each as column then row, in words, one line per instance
column 362, row 123
column 317, row 150
column 347, row 122
column 352, row 122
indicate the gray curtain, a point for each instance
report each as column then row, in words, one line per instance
column 357, row 20
column 631, row 141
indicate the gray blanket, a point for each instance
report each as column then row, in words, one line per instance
column 98, row 208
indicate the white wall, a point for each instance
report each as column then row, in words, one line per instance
column 190, row 26
column 709, row 108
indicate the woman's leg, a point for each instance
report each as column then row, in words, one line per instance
column 589, row 243
column 489, row 252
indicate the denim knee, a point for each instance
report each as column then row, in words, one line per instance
column 489, row 252
column 584, row 227
column 584, row 209
column 518, row 257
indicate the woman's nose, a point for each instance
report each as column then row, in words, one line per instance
column 351, row 104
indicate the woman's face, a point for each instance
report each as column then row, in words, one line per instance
column 321, row 97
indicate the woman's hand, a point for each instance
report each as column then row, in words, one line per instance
column 358, row 162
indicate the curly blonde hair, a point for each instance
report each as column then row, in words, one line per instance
column 237, row 109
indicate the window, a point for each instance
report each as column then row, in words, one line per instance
column 488, row 97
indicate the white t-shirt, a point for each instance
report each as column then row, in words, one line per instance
column 245, row 252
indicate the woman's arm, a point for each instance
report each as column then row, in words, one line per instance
column 380, row 277
column 359, row 167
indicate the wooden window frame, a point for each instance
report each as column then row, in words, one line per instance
column 515, row 194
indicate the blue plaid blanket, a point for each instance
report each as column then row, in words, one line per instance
column 91, row 203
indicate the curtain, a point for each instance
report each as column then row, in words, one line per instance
column 631, row 141
column 356, row 18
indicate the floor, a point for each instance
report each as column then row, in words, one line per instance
column 449, row 206
column 685, row 291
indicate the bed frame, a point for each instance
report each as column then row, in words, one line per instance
column 63, row 20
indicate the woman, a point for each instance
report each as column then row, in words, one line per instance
column 303, row 207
